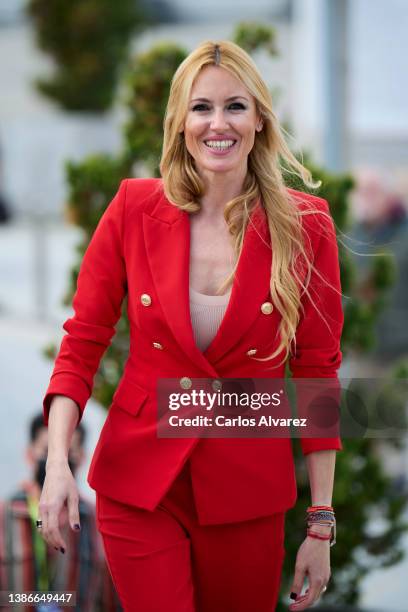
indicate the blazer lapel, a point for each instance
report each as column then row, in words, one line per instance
column 167, row 236
column 168, row 251
column 250, row 288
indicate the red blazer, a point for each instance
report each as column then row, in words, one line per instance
column 142, row 246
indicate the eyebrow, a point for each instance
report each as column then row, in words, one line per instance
column 227, row 99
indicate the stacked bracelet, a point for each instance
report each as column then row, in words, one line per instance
column 313, row 508
column 321, row 515
column 318, row 536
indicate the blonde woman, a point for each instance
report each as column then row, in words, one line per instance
column 228, row 274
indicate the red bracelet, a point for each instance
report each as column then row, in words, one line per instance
column 318, row 536
column 314, row 508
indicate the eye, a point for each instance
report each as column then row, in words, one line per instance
column 199, row 107
column 233, row 106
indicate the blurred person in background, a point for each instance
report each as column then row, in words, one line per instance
column 382, row 227
column 4, row 210
column 27, row 564
column 5, row 213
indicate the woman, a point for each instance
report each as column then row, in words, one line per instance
column 187, row 523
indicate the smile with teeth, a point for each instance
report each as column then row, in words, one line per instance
column 220, row 144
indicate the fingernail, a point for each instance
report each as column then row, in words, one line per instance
column 56, row 547
column 77, row 526
column 293, row 595
column 62, row 549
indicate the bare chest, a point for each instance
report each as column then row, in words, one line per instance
column 212, row 257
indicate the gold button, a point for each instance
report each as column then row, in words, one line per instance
column 158, row 345
column 185, row 382
column 252, row 352
column 217, row 385
column 146, row 299
column 267, row 308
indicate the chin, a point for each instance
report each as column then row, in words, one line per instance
column 219, row 167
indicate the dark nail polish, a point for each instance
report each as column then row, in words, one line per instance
column 77, row 526
column 293, row 595
column 56, row 548
column 62, row 549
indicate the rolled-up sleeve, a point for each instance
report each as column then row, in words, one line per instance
column 101, row 288
column 317, row 353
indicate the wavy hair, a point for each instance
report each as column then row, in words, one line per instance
column 291, row 263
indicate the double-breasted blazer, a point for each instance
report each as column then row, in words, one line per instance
column 141, row 248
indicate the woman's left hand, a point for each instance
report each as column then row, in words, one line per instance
column 313, row 561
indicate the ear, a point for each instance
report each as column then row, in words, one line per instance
column 259, row 125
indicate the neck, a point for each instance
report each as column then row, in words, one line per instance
column 220, row 188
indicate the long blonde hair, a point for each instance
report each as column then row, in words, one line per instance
column 184, row 187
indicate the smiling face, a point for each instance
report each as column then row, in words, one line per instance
column 221, row 122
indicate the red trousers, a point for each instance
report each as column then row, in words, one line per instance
column 164, row 561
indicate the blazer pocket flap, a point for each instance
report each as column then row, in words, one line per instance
column 129, row 396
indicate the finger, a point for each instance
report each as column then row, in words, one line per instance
column 312, row 594
column 43, row 517
column 73, row 510
column 44, row 530
column 54, row 536
column 296, row 605
column 298, row 581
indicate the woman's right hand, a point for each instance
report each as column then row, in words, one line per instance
column 59, row 489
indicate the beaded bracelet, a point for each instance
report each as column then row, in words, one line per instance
column 321, row 515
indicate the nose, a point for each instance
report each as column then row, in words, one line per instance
column 218, row 121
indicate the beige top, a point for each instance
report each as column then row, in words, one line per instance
column 207, row 312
